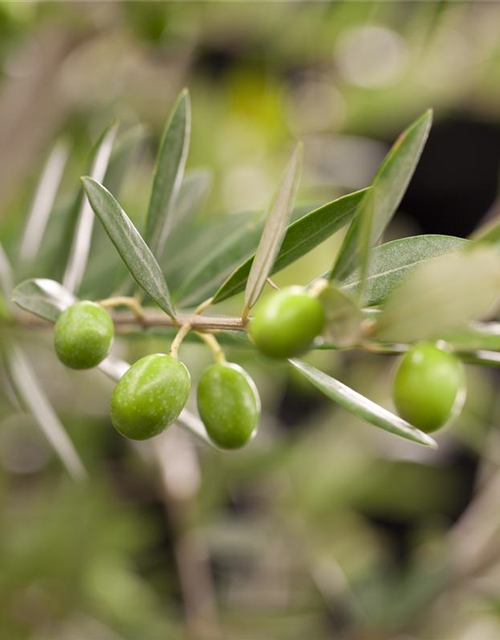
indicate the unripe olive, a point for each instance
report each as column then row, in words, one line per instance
column 150, row 396
column 429, row 386
column 229, row 405
column 83, row 335
column 285, row 324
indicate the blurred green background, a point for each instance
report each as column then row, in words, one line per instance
column 323, row 527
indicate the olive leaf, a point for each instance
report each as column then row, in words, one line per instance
column 168, row 173
column 343, row 317
column 6, row 274
column 477, row 336
column 43, row 297
column 359, row 405
column 42, row 204
column 393, row 261
column 442, row 295
column 301, row 236
column 129, row 243
column 381, row 201
column 274, row 230
column 80, row 247
column 32, row 396
column 227, row 250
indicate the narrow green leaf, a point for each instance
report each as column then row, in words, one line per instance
column 227, row 251
column 43, row 297
column 169, row 170
column 33, row 397
column 192, row 196
column 381, row 201
column 6, row 274
column 359, row 405
column 274, row 230
column 477, row 336
column 80, row 247
column 129, row 244
column 343, row 317
column 442, row 295
column 301, row 236
column 42, row 204
column 393, row 261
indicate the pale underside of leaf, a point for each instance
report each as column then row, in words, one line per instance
column 274, row 230
column 42, row 204
column 80, row 248
column 360, row 405
column 34, row 399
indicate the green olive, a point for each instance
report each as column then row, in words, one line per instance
column 229, row 405
column 83, row 335
column 429, row 386
column 285, row 324
column 150, row 396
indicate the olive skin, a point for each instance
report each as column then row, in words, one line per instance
column 429, row 386
column 83, row 335
column 150, row 396
column 228, row 404
column 285, row 324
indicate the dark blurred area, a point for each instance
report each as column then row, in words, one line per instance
column 324, row 527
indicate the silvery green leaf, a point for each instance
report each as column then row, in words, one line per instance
column 42, row 204
column 6, row 275
column 359, row 405
column 36, row 402
column 43, row 297
column 301, row 236
column 381, row 201
column 129, row 244
column 393, row 261
column 442, row 295
column 168, row 174
column 274, row 230
column 80, row 247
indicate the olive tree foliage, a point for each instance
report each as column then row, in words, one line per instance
column 380, row 297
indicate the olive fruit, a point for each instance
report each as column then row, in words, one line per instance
column 150, row 396
column 83, row 335
column 229, row 405
column 285, row 324
column 429, row 386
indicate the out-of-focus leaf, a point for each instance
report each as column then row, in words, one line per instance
column 274, row 230
column 42, row 204
column 394, row 261
column 381, row 201
column 343, row 317
column 169, row 170
column 34, row 399
column 6, row 275
column 442, row 295
column 359, row 405
column 477, row 336
column 129, row 244
column 80, row 247
column 192, row 196
column 43, row 297
column 222, row 258
column 301, row 236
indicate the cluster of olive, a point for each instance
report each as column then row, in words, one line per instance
column 428, row 387
column 153, row 392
